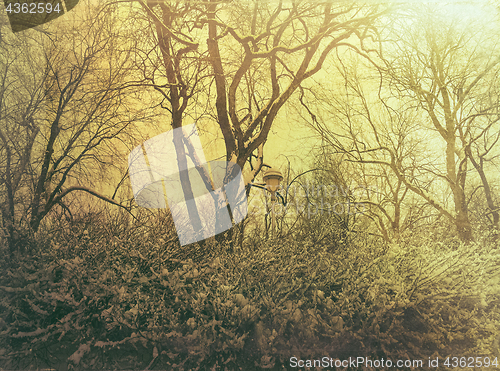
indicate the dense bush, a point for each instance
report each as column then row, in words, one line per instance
column 94, row 296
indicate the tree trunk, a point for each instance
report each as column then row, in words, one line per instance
column 486, row 185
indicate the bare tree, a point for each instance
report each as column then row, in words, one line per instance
column 258, row 53
column 442, row 70
column 438, row 84
column 62, row 102
column 253, row 54
column 479, row 138
column 359, row 129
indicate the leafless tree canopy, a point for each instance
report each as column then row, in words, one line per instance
column 245, row 60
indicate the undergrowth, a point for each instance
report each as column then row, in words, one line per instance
column 94, row 296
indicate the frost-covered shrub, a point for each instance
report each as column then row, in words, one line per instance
column 130, row 298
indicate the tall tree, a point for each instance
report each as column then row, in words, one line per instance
column 255, row 53
column 439, row 83
column 62, row 100
column 441, row 69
